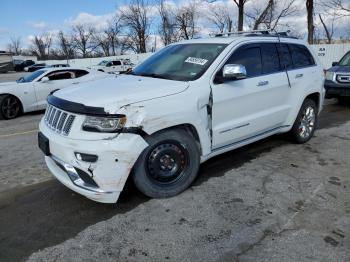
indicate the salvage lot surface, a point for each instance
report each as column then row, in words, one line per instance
column 270, row 201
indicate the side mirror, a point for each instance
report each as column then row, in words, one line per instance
column 334, row 63
column 45, row 79
column 234, row 72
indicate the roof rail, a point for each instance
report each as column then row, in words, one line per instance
column 271, row 33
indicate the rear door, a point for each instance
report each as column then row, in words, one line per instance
column 303, row 72
column 117, row 66
column 249, row 107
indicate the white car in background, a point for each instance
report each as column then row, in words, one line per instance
column 29, row 93
column 114, row 66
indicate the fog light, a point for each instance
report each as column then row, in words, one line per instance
column 86, row 157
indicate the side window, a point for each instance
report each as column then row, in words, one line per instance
column 270, row 59
column 285, row 57
column 109, row 64
column 117, row 63
column 80, row 73
column 250, row 57
column 301, row 56
column 60, row 75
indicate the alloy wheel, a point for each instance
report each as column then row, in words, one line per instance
column 307, row 122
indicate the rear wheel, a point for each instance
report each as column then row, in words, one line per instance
column 10, row 107
column 305, row 123
column 168, row 166
column 343, row 100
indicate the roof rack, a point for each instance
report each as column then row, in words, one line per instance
column 267, row 33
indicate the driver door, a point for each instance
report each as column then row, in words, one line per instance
column 56, row 80
column 249, row 107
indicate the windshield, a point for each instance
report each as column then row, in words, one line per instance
column 102, row 63
column 183, row 62
column 30, row 77
column 345, row 61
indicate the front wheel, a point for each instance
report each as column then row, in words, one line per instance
column 305, row 123
column 168, row 165
column 10, row 107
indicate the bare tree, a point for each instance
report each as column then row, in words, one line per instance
column 186, row 21
column 264, row 15
column 272, row 14
column 112, row 33
column 240, row 4
column 41, row 45
column 137, row 19
column 65, row 44
column 310, row 20
column 82, row 40
column 219, row 15
column 329, row 30
column 167, row 26
column 15, row 45
column 102, row 40
column 340, row 5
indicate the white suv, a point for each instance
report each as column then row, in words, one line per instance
column 114, row 66
column 185, row 104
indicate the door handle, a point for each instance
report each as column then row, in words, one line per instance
column 298, row 75
column 263, row 83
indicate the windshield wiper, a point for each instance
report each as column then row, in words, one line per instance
column 153, row 75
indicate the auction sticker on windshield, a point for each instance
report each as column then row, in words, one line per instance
column 195, row 60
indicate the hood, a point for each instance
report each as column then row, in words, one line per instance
column 7, row 83
column 4, row 85
column 345, row 69
column 122, row 90
column 96, row 66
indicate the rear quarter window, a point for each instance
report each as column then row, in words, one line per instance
column 301, row 56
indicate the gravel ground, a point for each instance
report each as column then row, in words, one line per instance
column 289, row 204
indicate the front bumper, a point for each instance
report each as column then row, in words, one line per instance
column 116, row 157
column 335, row 90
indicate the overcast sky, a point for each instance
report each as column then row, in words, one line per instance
column 20, row 18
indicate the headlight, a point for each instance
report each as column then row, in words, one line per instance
column 104, row 124
column 329, row 75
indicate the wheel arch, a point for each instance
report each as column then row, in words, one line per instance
column 316, row 97
column 20, row 102
column 189, row 128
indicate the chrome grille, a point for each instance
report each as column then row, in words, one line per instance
column 58, row 120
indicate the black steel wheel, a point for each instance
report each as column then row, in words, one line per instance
column 167, row 162
column 10, row 107
column 169, row 165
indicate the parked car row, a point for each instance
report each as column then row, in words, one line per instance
column 337, row 81
column 35, row 67
column 19, row 65
column 29, row 93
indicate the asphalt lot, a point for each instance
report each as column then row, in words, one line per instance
column 269, row 201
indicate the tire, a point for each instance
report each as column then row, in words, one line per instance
column 10, row 107
column 343, row 100
column 168, row 165
column 306, row 122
